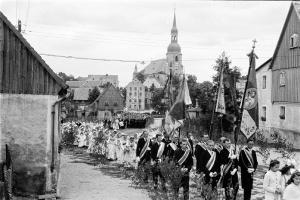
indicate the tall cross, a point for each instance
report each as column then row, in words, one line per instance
column 254, row 41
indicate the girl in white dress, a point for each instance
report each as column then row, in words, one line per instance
column 111, row 147
column 273, row 183
column 292, row 191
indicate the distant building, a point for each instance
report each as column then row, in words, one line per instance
column 161, row 68
column 149, row 81
column 109, row 102
column 135, row 95
column 30, row 105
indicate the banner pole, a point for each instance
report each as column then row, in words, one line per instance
column 239, row 121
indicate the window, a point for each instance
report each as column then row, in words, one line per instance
column 264, row 113
column 106, row 104
column 140, row 94
column 176, row 58
column 134, row 93
column 294, row 41
column 116, row 104
column 130, row 100
column 264, row 83
column 130, row 88
column 134, row 100
column 135, row 88
column 140, row 88
column 282, row 79
column 130, row 93
column 282, row 112
column 140, row 100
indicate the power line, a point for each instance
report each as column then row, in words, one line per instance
column 95, row 59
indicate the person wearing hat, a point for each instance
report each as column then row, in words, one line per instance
column 157, row 151
column 248, row 164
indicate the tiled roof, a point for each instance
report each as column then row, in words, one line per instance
column 81, row 94
column 86, row 84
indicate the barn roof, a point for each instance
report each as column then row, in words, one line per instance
column 17, row 34
column 294, row 7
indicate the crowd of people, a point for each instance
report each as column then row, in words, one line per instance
column 217, row 164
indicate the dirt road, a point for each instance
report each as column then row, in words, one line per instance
column 82, row 179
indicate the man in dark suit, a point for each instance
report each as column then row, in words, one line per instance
column 201, row 155
column 143, row 152
column 172, row 146
column 157, row 151
column 229, row 176
column 212, row 165
column 248, row 164
column 183, row 158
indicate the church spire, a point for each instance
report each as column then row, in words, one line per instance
column 135, row 72
column 174, row 31
column 174, row 21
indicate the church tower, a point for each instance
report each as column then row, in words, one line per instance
column 174, row 56
column 135, row 72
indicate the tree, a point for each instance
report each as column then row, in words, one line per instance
column 65, row 77
column 156, row 100
column 93, row 95
column 193, row 87
column 123, row 93
column 231, row 76
column 140, row 77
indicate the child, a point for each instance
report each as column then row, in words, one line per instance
column 292, row 191
column 273, row 184
column 286, row 173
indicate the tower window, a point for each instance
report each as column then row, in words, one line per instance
column 282, row 112
column 176, row 58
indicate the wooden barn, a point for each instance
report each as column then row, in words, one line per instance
column 109, row 102
column 285, row 84
column 30, row 96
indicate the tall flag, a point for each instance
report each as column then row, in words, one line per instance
column 220, row 105
column 249, row 123
column 174, row 118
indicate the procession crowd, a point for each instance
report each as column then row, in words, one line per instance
column 217, row 163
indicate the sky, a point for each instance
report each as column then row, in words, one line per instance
column 139, row 30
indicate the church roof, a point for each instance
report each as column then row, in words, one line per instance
column 156, row 66
column 174, row 47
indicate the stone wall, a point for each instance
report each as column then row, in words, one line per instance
column 290, row 125
column 26, row 126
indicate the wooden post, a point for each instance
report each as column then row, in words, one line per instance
column 1, row 52
column 239, row 121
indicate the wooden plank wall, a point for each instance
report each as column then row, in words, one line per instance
column 291, row 91
column 286, row 57
column 287, row 60
column 20, row 71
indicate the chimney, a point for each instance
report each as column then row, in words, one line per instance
column 197, row 103
column 19, row 26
